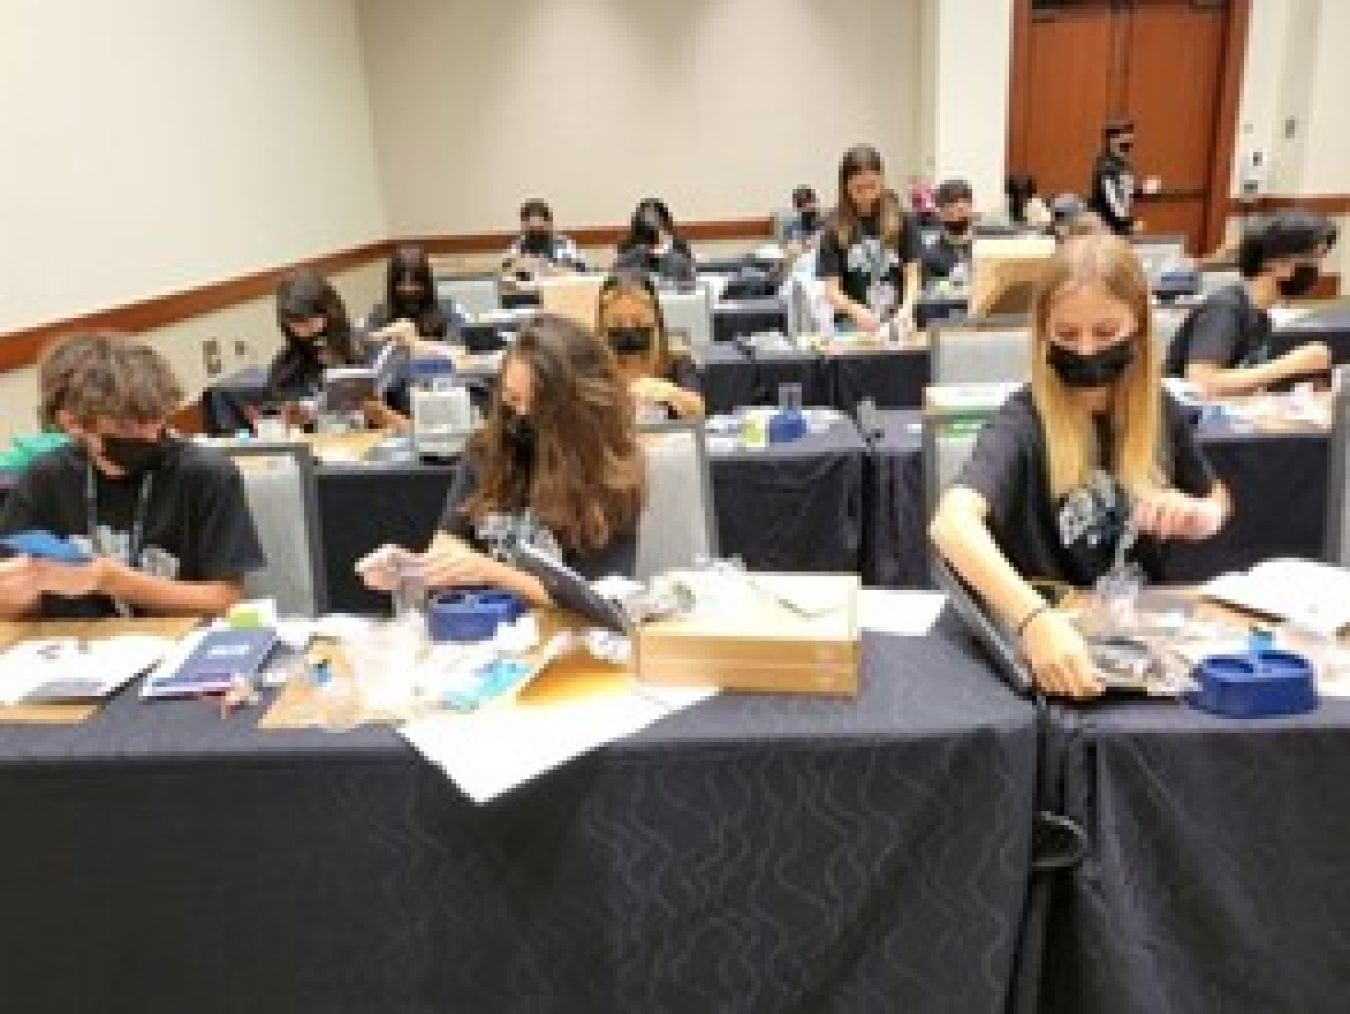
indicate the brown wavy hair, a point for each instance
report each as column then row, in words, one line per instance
column 106, row 375
column 586, row 483
column 847, row 224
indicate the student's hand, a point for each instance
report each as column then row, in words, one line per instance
column 382, row 570
column 1171, row 514
column 380, row 416
column 867, row 321
column 653, row 389
column 70, row 580
column 1059, row 656
column 1312, row 357
column 297, row 415
column 455, row 565
column 402, row 332
column 1152, row 185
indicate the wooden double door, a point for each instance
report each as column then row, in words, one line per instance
column 1173, row 66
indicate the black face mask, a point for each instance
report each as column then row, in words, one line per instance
column 1300, row 283
column 959, row 227
column 1095, row 370
column 629, row 341
column 135, row 455
column 519, row 433
column 538, row 242
column 809, row 219
column 1124, row 147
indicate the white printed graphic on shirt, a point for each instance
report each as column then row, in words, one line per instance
column 503, row 534
column 1091, row 513
column 865, row 255
column 116, row 544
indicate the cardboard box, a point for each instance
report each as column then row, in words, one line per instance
column 795, row 633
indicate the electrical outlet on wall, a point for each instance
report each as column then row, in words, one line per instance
column 211, row 357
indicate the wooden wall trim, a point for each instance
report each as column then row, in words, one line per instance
column 24, row 347
column 1326, row 204
column 597, row 236
column 1226, row 122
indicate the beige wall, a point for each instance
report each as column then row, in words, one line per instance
column 151, row 145
column 1296, row 72
column 720, row 106
column 965, row 59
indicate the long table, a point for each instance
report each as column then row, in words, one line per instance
column 754, row 853
column 1217, row 876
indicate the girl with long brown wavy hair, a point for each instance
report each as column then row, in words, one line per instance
column 1092, row 452
column 557, row 466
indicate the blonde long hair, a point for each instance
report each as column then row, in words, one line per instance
column 1107, row 262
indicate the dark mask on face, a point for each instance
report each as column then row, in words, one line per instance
column 1300, row 283
column 520, row 436
column 538, row 242
column 1095, row 370
column 959, row 227
column 1124, row 147
column 135, row 455
column 810, row 219
column 629, row 341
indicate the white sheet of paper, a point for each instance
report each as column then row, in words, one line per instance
column 909, row 613
column 1313, row 594
column 491, row 751
column 1283, row 316
column 107, row 661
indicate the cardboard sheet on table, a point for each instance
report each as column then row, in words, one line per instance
column 575, row 676
column 13, row 631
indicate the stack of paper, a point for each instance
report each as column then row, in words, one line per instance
column 70, row 669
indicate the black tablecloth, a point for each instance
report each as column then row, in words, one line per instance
column 895, row 546
column 892, row 378
column 1217, row 877
column 753, row 854
column 796, row 506
column 738, row 318
column 733, row 377
column 226, row 403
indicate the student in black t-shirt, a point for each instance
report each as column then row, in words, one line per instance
column 1224, row 345
column 539, row 250
column 1114, row 185
column 165, row 521
column 318, row 335
column 947, row 257
column 1091, row 451
column 654, row 244
column 410, row 294
column 869, row 250
column 557, row 466
column 629, row 318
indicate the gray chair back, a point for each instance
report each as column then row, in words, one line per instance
column 677, row 525
column 476, row 295
column 689, row 313
column 280, row 488
column 959, row 355
column 948, row 438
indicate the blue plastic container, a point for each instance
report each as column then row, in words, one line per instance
column 471, row 614
column 1261, row 684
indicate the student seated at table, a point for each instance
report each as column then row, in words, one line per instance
column 410, row 294
column 164, row 521
column 1091, row 450
column 801, row 233
column 558, row 465
column 1224, row 346
column 318, row 336
column 868, row 260
column 629, row 318
column 540, row 251
column 947, row 257
column 653, row 244
column 1026, row 207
